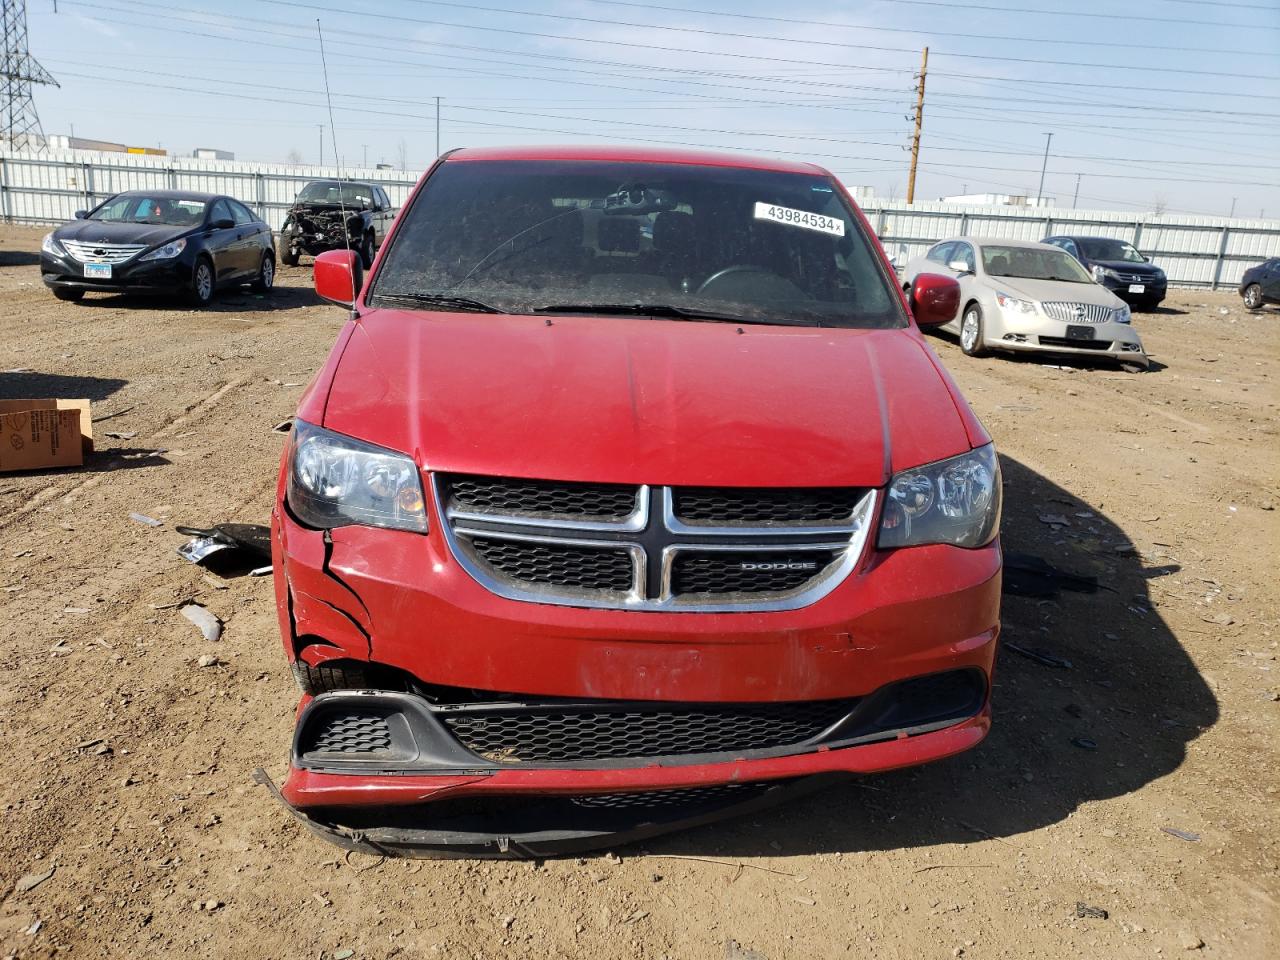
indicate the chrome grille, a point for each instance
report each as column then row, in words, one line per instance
column 102, row 252
column 654, row 548
column 1069, row 312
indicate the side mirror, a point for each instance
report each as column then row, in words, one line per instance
column 935, row 299
column 339, row 277
column 959, row 266
column 224, row 224
column 81, row 214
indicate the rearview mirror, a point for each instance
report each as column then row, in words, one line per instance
column 226, row 223
column 81, row 214
column 959, row 266
column 339, row 277
column 935, row 299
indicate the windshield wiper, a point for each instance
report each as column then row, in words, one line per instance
column 438, row 300
column 658, row 310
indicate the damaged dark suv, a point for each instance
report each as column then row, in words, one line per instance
column 334, row 215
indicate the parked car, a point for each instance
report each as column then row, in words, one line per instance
column 1119, row 267
column 1032, row 297
column 159, row 241
column 1261, row 284
column 336, row 215
column 629, row 493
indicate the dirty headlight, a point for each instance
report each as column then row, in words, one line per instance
column 954, row 501
column 336, row 481
column 1013, row 303
column 51, row 246
column 168, row 251
column 1121, row 313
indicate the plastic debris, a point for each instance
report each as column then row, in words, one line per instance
column 1039, row 656
column 144, row 519
column 210, row 626
column 1182, row 834
column 1084, row 910
column 33, row 880
column 240, row 548
column 1084, row 743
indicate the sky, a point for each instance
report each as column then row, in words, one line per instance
column 1168, row 105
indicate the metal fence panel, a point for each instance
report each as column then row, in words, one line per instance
column 1193, row 251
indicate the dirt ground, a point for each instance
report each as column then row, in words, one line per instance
column 127, row 766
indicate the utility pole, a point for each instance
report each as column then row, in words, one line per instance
column 365, row 148
column 321, row 127
column 19, row 123
column 915, row 138
column 1233, row 207
column 1076, row 196
column 437, row 126
column 1044, row 166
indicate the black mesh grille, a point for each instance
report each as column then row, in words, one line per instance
column 542, row 498
column 728, row 506
column 586, row 734
column 659, row 799
column 557, row 564
column 350, row 733
column 1078, row 344
column 758, row 571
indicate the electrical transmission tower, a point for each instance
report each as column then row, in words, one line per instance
column 20, row 124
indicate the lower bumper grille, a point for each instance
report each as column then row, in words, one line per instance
column 352, row 733
column 583, row 734
column 1075, row 344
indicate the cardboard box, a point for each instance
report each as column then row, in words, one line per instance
column 35, row 434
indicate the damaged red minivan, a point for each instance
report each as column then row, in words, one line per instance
column 630, row 495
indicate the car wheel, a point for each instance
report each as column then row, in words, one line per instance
column 71, row 295
column 1253, row 297
column 202, row 282
column 366, row 251
column 971, row 332
column 330, row 676
column 266, row 274
column 289, row 256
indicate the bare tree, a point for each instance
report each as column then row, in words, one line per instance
column 294, row 157
column 893, row 192
column 1161, row 204
column 402, row 150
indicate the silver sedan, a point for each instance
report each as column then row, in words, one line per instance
column 1022, row 296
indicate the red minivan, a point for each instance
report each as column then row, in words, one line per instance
column 630, row 496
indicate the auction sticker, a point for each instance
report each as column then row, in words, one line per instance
column 800, row 218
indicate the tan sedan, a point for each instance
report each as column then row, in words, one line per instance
column 1021, row 296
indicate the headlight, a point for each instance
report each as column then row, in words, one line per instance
column 1013, row 303
column 1121, row 314
column 953, row 501
column 1160, row 275
column 1104, row 273
column 335, row 481
column 51, row 246
column 168, row 251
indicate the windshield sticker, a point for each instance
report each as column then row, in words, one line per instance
column 800, row 218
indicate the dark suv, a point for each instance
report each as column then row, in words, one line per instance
column 333, row 215
column 1119, row 267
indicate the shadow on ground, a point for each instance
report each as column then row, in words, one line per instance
column 19, row 258
column 232, row 300
column 30, row 384
column 1131, row 689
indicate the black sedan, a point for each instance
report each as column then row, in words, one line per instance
column 1119, row 267
column 1261, row 284
column 159, row 241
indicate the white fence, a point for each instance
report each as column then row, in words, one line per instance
column 1193, row 251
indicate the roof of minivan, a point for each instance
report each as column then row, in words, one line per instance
column 634, row 155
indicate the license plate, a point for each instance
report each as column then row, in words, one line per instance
column 1137, row 288
column 98, row 271
column 1078, row 332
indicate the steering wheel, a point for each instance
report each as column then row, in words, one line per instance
column 735, row 270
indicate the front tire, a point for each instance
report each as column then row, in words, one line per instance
column 971, row 332
column 366, row 251
column 202, row 283
column 339, row 675
column 266, row 274
column 1253, row 297
column 69, row 294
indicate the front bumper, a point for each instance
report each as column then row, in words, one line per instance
column 1153, row 292
column 1037, row 333
column 149, row 276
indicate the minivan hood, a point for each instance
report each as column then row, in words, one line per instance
column 1041, row 290
column 633, row 400
column 97, row 231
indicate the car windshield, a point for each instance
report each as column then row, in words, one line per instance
column 676, row 241
column 1118, row 250
column 139, row 208
column 338, row 194
column 1033, row 263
